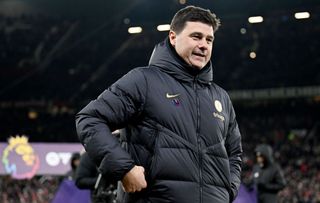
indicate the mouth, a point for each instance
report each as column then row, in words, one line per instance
column 198, row 54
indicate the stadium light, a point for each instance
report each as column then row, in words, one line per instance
column 255, row 19
column 302, row 15
column 32, row 115
column 165, row 27
column 243, row 31
column 253, row 55
column 134, row 30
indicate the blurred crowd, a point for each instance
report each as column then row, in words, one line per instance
column 40, row 189
column 71, row 60
column 292, row 128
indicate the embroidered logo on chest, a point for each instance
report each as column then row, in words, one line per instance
column 218, row 106
column 174, row 98
column 170, row 96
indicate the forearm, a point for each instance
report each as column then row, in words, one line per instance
column 103, row 147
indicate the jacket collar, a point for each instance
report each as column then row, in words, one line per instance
column 167, row 60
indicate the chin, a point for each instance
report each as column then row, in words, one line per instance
column 198, row 66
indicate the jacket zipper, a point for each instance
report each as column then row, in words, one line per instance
column 155, row 152
column 198, row 137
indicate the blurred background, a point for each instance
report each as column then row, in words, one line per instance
column 57, row 55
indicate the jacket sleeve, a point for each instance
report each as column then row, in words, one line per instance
column 86, row 173
column 112, row 110
column 234, row 149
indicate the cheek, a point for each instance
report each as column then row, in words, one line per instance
column 210, row 52
column 183, row 51
column 184, row 48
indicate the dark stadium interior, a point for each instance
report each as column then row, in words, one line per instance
column 56, row 56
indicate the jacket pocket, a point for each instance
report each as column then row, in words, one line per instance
column 217, row 163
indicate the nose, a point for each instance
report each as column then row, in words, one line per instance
column 203, row 44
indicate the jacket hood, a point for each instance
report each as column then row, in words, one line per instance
column 266, row 151
column 165, row 57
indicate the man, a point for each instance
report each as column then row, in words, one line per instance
column 267, row 175
column 183, row 141
column 74, row 163
column 86, row 173
column 86, row 178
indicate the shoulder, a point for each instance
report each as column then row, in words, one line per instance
column 136, row 73
column 220, row 92
column 147, row 70
column 140, row 73
column 134, row 78
column 219, row 89
column 134, row 83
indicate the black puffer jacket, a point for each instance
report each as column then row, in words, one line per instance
column 269, row 178
column 181, row 128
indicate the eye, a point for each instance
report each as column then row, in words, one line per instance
column 209, row 40
column 196, row 37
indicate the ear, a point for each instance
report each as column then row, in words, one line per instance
column 172, row 37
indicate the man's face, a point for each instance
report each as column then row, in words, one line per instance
column 260, row 159
column 194, row 43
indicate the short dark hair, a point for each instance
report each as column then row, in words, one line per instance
column 194, row 14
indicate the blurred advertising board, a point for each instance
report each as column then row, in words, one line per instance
column 22, row 159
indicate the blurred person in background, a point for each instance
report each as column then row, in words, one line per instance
column 183, row 140
column 87, row 178
column 68, row 191
column 267, row 175
column 74, row 163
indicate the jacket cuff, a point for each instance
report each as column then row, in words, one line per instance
column 114, row 170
